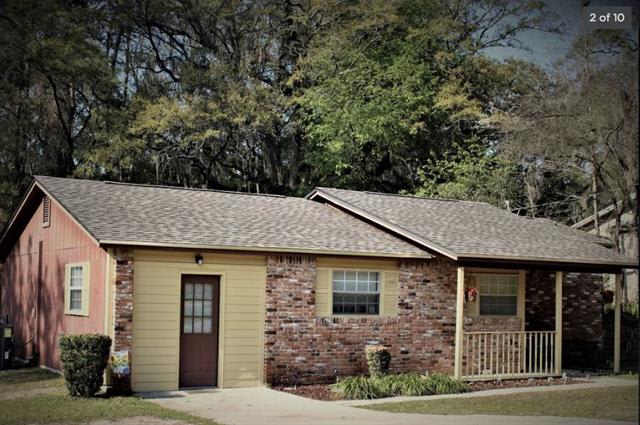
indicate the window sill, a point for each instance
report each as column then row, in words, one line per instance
column 76, row 313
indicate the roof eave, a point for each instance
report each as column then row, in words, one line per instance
column 213, row 247
column 547, row 262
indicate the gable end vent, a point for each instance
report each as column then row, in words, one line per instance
column 46, row 211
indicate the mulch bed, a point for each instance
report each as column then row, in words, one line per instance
column 316, row 392
column 323, row 391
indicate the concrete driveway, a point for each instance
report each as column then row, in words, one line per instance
column 258, row 406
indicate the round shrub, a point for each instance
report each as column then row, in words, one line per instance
column 84, row 358
column 378, row 359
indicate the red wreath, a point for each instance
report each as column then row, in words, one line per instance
column 471, row 294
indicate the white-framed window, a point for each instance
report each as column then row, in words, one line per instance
column 76, row 291
column 356, row 292
column 498, row 294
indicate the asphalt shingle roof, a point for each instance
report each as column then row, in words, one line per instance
column 468, row 229
column 203, row 218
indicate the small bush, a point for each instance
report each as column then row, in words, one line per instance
column 378, row 359
column 357, row 388
column 405, row 384
column 84, row 358
column 444, row 384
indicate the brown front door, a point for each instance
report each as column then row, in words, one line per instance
column 199, row 330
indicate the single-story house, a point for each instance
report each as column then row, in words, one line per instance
column 204, row 287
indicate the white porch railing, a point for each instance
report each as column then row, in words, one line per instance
column 490, row 355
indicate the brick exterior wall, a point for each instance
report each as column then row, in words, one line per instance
column 301, row 348
column 583, row 334
column 123, row 317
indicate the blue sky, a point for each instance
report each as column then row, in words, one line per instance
column 548, row 48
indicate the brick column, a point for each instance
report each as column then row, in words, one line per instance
column 123, row 322
column 290, row 319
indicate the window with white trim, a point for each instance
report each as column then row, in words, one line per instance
column 356, row 292
column 76, row 296
column 75, row 288
column 498, row 294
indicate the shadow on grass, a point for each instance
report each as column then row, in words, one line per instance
column 15, row 377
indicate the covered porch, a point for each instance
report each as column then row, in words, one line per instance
column 509, row 320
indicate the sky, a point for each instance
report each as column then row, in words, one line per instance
column 547, row 48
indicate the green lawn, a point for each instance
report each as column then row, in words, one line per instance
column 55, row 406
column 617, row 403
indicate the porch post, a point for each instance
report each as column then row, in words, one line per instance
column 558, row 338
column 459, row 323
column 617, row 323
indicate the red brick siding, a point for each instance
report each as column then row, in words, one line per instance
column 582, row 327
column 123, row 317
column 301, row 348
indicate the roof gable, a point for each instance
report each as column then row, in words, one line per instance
column 143, row 215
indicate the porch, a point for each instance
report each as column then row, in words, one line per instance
column 496, row 335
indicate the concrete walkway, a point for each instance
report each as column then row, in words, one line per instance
column 257, row 406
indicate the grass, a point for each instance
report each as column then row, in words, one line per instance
column 615, row 403
column 58, row 407
column 28, row 379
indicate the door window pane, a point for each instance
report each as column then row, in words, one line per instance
column 188, row 308
column 206, row 309
column 208, row 292
column 198, row 308
column 206, row 325
column 197, row 325
column 187, row 326
column 188, row 291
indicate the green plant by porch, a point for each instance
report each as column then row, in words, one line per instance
column 405, row 384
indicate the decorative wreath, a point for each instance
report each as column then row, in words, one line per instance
column 471, row 293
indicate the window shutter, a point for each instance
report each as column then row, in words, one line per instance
column 323, row 293
column 389, row 294
column 86, row 288
column 67, row 279
column 46, row 211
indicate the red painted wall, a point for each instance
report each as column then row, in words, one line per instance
column 62, row 242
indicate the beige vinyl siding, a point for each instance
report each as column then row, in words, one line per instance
column 156, row 317
column 388, row 270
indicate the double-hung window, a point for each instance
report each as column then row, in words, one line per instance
column 356, row 292
column 498, row 294
column 76, row 295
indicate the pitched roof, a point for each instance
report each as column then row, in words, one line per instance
column 472, row 230
column 116, row 213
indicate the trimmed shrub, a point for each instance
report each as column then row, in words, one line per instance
column 378, row 359
column 84, row 358
column 357, row 388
